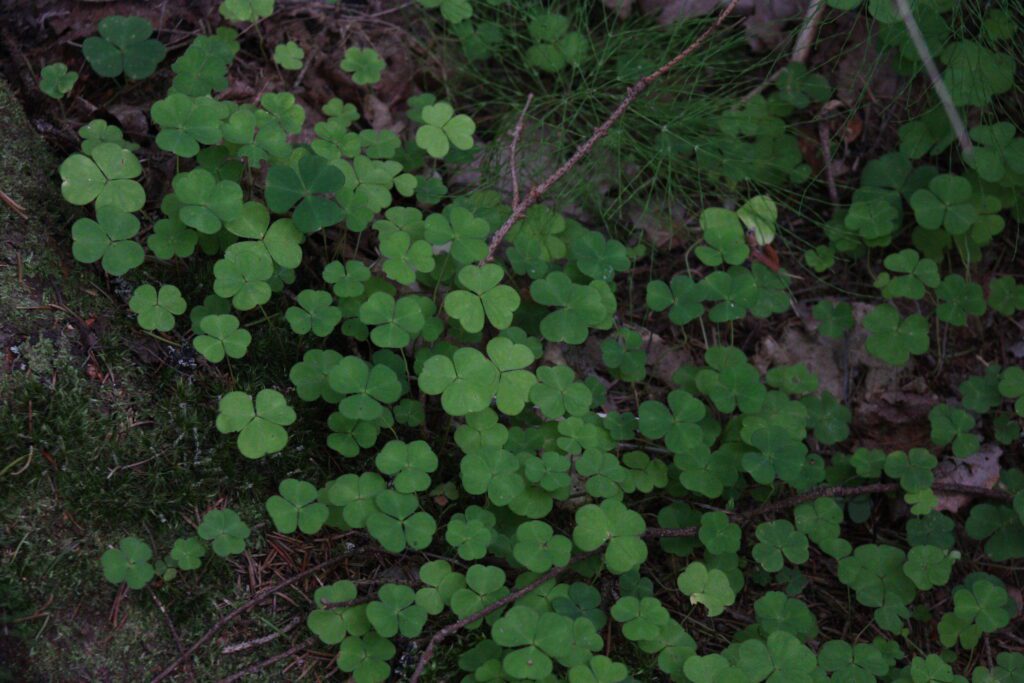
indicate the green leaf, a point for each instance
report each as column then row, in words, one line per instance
column 124, row 46
column 260, row 424
column 442, row 129
column 225, row 530
column 893, row 339
column 364, row 64
column 724, row 236
column 467, row 382
column 289, row 55
column 409, row 465
column 108, row 239
column 156, row 310
column 246, row 10
column 297, row 508
column 779, row 539
column 188, row 553
column 708, row 587
column 613, row 523
column 483, row 295
column 128, row 563
column 538, row 548
column 56, row 80
column 315, row 313
column 105, row 176
column 187, row 122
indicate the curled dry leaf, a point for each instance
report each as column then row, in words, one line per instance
column 980, row 469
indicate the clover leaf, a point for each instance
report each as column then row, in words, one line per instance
column 297, row 508
column 466, row 382
column 188, row 553
column 538, row 547
column 301, row 187
column 492, row 472
column 726, row 241
column 537, row 638
column 442, row 129
column 893, row 339
column 682, row 297
column 958, row 299
column 108, row 240
column 735, row 289
column 484, row 295
column 157, row 309
column 557, row 393
column 128, row 563
column 554, row 46
column 718, row 534
column 515, row 381
column 243, row 276
column 946, row 203
column 366, row 658
column 1011, row 386
column 187, row 122
column 221, row 337
column 453, row 11
column 597, row 257
column 104, row 176
column 56, row 80
column 678, row 423
column 365, row 387
column 579, row 308
column 364, row 64
column 260, row 424
column 613, row 523
column 398, row 523
column 206, row 202
column 289, row 55
column 246, row 10
column 919, row 273
column 225, row 530
column 471, row 532
column 405, row 257
column 462, row 230
column 395, row 322
column 778, row 539
column 124, row 46
column 953, row 426
column 641, row 618
column 315, row 312
column 708, row 587
column 280, row 240
column 409, row 465
column 348, row 280
column 836, row 319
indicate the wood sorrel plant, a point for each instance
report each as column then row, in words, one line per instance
column 587, row 537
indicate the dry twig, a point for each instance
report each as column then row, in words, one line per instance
column 634, row 91
column 245, row 607
column 938, row 85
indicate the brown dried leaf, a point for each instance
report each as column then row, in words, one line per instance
column 981, row 469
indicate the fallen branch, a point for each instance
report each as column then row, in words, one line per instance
column 767, row 508
column 174, row 632
column 269, row 661
column 453, row 628
column 938, row 85
column 242, row 609
column 262, row 640
column 519, row 208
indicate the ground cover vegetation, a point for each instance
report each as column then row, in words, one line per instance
column 614, row 343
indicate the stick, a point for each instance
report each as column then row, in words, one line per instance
column 801, row 47
column 938, row 85
column 174, row 632
column 516, row 132
column 245, row 607
column 455, row 627
column 262, row 640
column 239, row 675
column 767, row 508
column 634, row 91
